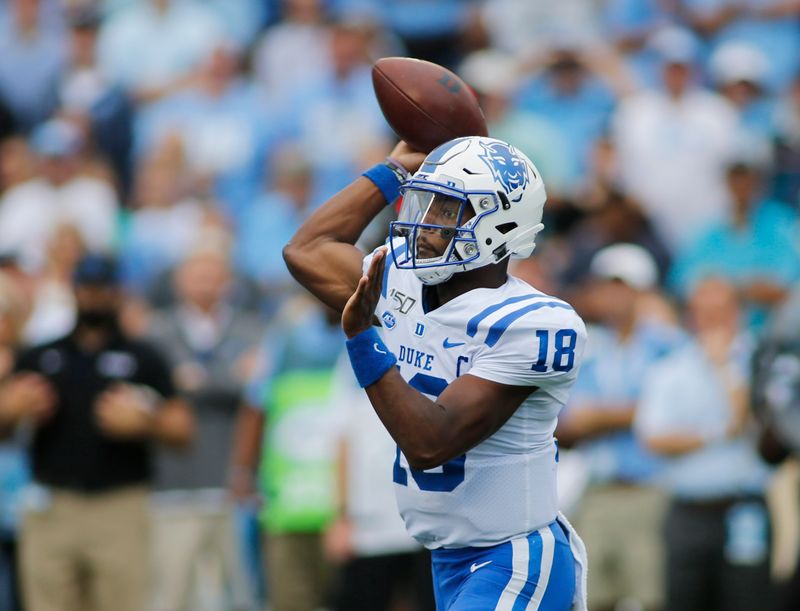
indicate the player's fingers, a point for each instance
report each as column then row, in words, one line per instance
column 375, row 264
column 376, row 281
column 361, row 289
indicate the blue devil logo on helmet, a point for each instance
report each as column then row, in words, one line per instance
column 507, row 168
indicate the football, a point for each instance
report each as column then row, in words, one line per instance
column 424, row 103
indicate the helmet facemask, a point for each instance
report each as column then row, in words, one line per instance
column 438, row 231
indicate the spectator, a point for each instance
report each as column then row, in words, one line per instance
column 31, row 60
column 222, row 125
column 290, row 405
column 212, row 349
column 52, row 313
column 754, row 248
column 769, row 25
column 16, row 163
column 94, row 101
column 62, row 192
column 739, row 72
column 776, row 394
column 617, row 218
column 381, row 563
column 786, row 183
column 429, row 29
column 694, row 412
column 630, row 24
column 271, row 220
column 673, row 144
column 164, row 223
column 620, row 515
column 95, row 400
column 293, row 53
column 171, row 38
column 519, row 27
column 337, row 120
column 495, row 76
column 576, row 92
column 14, row 468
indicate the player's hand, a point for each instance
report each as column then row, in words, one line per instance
column 27, row 395
column 360, row 308
column 125, row 412
column 407, row 157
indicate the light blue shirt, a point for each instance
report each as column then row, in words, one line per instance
column 581, row 118
column 335, row 121
column 623, row 18
column 683, row 395
column 14, row 477
column 228, row 136
column 778, row 39
column 766, row 248
column 261, row 235
column 611, row 375
column 140, row 47
column 30, row 70
column 300, row 340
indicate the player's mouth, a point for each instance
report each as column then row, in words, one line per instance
column 426, row 251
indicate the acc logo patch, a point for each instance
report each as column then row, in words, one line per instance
column 507, row 168
column 389, row 321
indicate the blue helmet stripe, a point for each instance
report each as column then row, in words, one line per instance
column 497, row 329
column 436, row 155
column 472, row 325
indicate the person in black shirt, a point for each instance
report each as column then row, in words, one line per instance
column 96, row 401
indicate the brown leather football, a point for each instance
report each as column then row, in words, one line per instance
column 424, row 103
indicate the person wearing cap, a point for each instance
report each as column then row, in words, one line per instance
column 577, row 90
column 620, row 514
column 673, row 141
column 494, row 76
column 95, row 401
column 769, row 25
column 740, row 73
column 694, row 411
column 753, row 246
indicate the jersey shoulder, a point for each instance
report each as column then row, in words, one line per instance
column 516, row 311
column 527, row 337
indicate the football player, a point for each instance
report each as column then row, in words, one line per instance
column 472, row 370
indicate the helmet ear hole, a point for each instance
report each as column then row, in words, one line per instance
column 504, row 228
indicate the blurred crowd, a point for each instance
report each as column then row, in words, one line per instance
column 179, row 429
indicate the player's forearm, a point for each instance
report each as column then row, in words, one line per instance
column 341, row 219
column 426, row 432
column 321, row 255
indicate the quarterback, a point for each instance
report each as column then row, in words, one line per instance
column 472, row 367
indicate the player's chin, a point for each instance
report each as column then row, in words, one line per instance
column 427, row 255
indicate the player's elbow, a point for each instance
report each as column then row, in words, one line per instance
column 296, row 259
column 430, row 457
column 423, row 462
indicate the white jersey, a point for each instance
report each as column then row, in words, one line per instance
column 505, row 486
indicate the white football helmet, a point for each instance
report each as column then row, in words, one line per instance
column 482, row 195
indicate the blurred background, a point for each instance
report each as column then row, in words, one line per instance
column 179, row 431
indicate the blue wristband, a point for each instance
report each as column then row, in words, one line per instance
column 369, row 357
column 387, row 181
